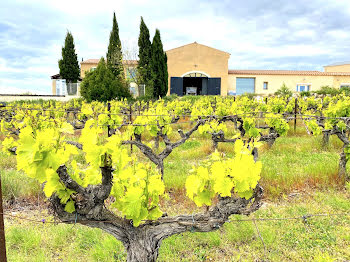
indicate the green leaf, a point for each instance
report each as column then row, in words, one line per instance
column 70, row 208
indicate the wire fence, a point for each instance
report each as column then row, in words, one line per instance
column 305, row 217
column 255, row 115
column 135, row 114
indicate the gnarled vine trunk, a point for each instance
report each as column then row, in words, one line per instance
column 142, row 243
column 142, row 248
column 342, row 166
column 325, row 138
column 343, row 159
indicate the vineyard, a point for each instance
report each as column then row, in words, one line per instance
column 157, row 175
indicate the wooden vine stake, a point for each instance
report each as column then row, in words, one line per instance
column 2, row 230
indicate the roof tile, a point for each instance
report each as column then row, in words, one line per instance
column 286, row 72
column 95, row 61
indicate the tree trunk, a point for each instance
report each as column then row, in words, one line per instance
column 255, row 154
column 342, row 165
column 215, row 144
column 156, row 142
column 140, row 247
column 160, row 166
column 325, row 139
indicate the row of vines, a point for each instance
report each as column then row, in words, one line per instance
column 81, row 154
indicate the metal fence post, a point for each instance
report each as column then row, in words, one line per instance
column 109, row 115
column 130, row 120
column 2, row 230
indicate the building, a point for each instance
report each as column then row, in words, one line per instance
column 196, row 69
column 61, row 88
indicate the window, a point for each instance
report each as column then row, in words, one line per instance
column 347, row 85
column 93, row 69
column 131, row 73
column 303, row 87
column 265, row 85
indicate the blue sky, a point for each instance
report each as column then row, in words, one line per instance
column 259, row 34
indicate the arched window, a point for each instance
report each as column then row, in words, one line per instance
column 195, row 74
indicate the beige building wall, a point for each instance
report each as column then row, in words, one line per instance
column 337, row 68
column 338, row 81
column 53, row 86
column 86, row 67
column 291, row 81
column 199, row 58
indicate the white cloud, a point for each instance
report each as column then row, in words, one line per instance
column 300, row 36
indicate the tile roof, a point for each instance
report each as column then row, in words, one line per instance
column 130, row 62
column 91, row 61
column 95, row 61
column 286, row 72
column 58, row 76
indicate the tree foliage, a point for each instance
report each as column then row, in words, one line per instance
column 69, row 65
column 102, row 85
column 159, row 67
column 145, row 55
column 284, row 91
column 114, row 54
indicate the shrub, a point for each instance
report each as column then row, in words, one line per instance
column 345, row 90
column 284, row 91
column 327, row 90
column 102, row 85
column 305, row 93
column 170, row 98
column 249, row 95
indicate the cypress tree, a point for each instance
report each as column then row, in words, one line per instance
column 114, row 54
column 165, row 76
column 159, row 67
column 69, row 65
column 145, row 55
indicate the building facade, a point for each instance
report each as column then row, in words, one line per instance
column 196, row 69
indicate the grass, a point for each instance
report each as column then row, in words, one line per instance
column 16, row 185
column 36, row 242
column 319, row 239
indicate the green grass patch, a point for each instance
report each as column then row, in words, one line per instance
column 15, row 184
column 61, row 243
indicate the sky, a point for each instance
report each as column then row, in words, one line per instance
column 259, row 34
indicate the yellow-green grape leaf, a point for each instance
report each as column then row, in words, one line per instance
column 70, row 208
column 67, row 128
column 52, row 183
column 7, row 144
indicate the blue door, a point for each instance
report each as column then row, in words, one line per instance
column 245, row 85
column 214, row 86
column 176, row 86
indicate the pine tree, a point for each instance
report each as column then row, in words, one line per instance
column 114, row 55
column 159, row 67
column 145, row 56
column 69, row 65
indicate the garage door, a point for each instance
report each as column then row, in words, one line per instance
column 245, row 85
